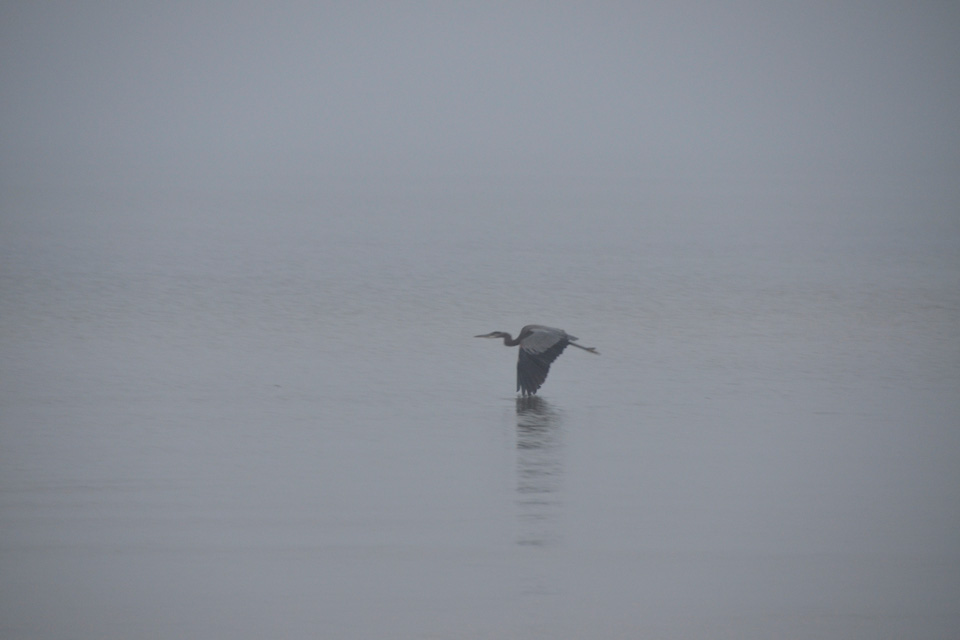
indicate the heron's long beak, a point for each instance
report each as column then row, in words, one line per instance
column 486, row 335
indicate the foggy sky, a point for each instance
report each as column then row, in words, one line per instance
column 189, row 93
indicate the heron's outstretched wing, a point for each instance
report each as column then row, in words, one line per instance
column 533, row 363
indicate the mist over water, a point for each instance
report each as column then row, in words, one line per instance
column 243, row 253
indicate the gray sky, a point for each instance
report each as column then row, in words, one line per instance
column 862, row 94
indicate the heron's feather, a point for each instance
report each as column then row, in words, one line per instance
column 533, row 366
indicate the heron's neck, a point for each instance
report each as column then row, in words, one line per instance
column 509, row 341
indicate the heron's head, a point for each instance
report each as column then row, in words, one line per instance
column 495, row 334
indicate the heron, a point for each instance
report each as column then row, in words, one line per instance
column 539, row 347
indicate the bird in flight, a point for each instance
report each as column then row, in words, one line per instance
column 539, row 347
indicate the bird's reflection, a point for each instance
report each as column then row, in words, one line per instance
column 539, row 471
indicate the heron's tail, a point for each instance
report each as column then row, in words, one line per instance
column 590, row 349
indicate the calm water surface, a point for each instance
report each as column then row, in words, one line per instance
column 254, row 426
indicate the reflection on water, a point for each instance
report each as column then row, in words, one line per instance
column 539, row 471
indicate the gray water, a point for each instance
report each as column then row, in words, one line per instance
column 270, row 419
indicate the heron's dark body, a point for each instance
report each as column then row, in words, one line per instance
column 532, row 368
